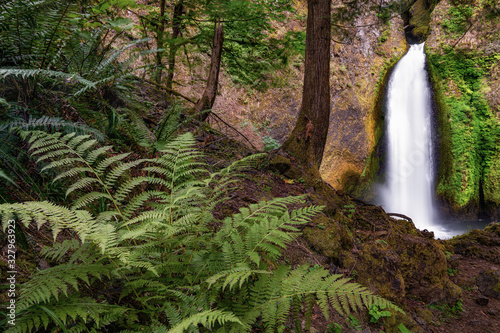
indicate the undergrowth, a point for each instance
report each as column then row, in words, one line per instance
column 142, row 250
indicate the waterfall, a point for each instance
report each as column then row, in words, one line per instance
column 409, row 165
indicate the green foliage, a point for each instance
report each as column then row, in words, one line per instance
column 61, row 57
column 252, row 46
column 449, row 311
column 349, row 210
column 474, row 131
column 402, row 328
column 270, row 143
column 459, row 19
column 15, row 159
column 334, row 328
column 376, row 313
column 149, row 255
column 354, row 323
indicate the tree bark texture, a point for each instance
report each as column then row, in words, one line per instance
column 308, row 138
column 176, row 32
column 208, row 98
column 160, row 34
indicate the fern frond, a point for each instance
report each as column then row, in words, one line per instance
column 71, row 173
column 234, row 277
column 53, row 281
column 68, row 310
column 137, row 201
column 102, row 166
column 32, row 73
column 47, row 123
column 45, row 212
column 206, row 319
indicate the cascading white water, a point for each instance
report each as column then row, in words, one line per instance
column 409, row 174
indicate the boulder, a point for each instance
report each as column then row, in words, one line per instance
column 488, row 283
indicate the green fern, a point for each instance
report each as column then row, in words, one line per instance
column 50, row 123
column 148, row 241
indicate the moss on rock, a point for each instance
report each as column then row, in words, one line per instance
column 417, row 20
column 484, row 244
column 329, row 237
column 378, row 267
column 392, row 322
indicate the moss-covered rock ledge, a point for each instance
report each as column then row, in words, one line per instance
column 417, row 19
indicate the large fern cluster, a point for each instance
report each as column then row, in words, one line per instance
column 148, row 254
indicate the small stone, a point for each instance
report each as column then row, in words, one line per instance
column 481, row 300
column 43, row 264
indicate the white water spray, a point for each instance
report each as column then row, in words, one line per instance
column 409, row 152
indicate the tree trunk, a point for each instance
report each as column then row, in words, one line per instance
column 308, row 138
column 160, row 32
column 176, row 32
column 208, row 98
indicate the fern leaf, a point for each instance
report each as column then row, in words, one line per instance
column 95, row 154
column 89, row 198
column 82, row 183
column 206, row 319
column 102, row 166
column 72, row 173
column 113, row 175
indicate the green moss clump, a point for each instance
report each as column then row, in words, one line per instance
column 417, row 20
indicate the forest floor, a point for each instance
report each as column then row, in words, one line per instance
column 468, row 315
column 264, row 182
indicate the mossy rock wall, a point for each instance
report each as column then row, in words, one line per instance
column 464, row 63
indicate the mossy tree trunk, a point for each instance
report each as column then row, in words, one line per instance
column 308, row 138
column 208, row 98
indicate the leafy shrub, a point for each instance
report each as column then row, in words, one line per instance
column 270, row 143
